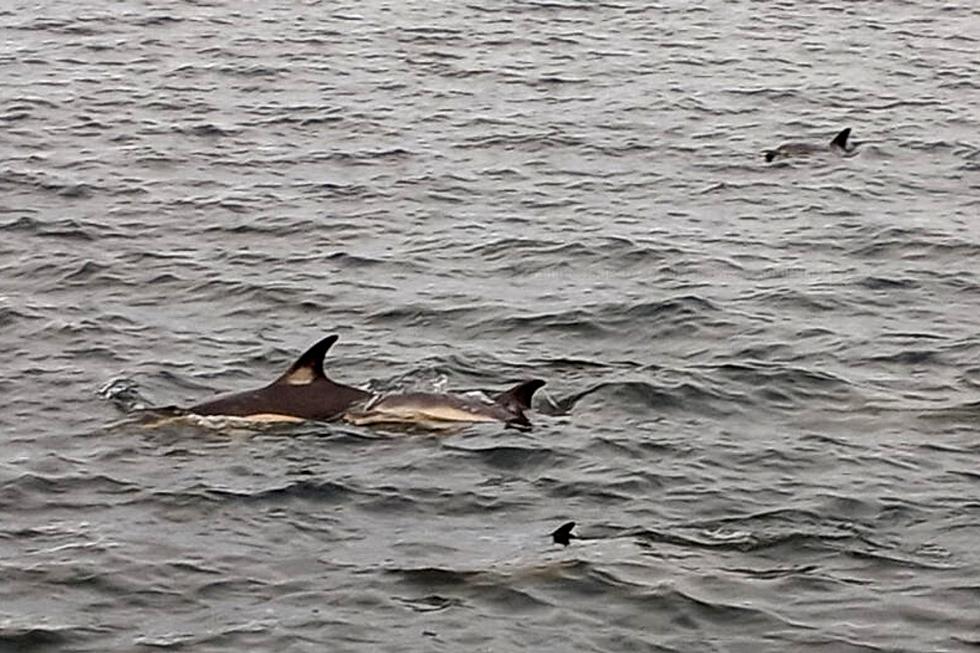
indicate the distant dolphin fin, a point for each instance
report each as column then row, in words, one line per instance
column 308, row 367
column 519, row 397
column 563, row 534
column 840, row 140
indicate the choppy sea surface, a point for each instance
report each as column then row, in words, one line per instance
column 763, row 381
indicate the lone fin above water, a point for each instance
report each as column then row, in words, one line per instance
column 840, row 140
column 563, row 534
column 308, row 367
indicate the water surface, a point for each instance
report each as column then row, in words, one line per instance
column 762, row 379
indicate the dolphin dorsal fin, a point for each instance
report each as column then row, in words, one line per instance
column 840, row 140
column 308, row 367
column 520, row 395
column 563, row 534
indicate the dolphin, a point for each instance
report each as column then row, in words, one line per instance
column 563, row 534
column 435, row 410
column 839, row 145
column 302, row 392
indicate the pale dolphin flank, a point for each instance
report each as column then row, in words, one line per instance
column 435, row 410
column 839, row 145
column 303, row 392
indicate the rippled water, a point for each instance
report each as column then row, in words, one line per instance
column 762, row 379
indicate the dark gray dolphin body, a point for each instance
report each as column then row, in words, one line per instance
column 303, row 392
column 839, row 145
column 435, row 410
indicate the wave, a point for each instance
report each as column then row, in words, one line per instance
column 44, row 636
column 643, row 397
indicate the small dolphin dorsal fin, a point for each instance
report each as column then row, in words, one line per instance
column 520, row 395
column 840, row 140
column 563, row 534
column 308, row 367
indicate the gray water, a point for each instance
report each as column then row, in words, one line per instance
column 763, row 380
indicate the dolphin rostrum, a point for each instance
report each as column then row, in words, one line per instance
column 303, row 392
column 840, row 145
column 436, row 410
